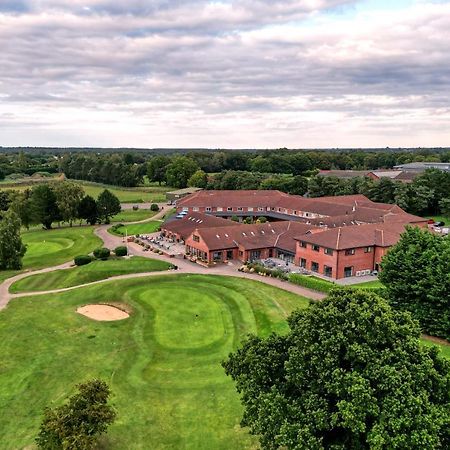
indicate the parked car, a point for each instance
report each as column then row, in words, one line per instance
column 430, row 221
column 439, row 224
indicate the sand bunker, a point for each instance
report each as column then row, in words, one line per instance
column 103, row 312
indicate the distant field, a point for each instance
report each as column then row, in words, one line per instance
column 150, row 193
column 133, row 216
column 137, row 228
column 96, row 270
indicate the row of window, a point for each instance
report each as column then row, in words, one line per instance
column 315, row 267
column 329, row 251
column 260, row 209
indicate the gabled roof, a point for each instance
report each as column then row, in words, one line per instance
column 185, row 226
column 341, row 238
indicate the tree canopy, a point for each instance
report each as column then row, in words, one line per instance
column 77, row 424
column 11, row 247
column 416, row 273
column 350, row 374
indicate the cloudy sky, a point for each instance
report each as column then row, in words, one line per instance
column 225, row 73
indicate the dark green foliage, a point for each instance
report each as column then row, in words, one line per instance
column 350, row 374
column 11, row 247
column 82, row 260
column 416, row 273
column 43, row 206
column 121, row 251
column 77, row 424
column 198, row 179
column 180, row 170
column 87, row 210
column 311, row 282
column 5, row 200
column 154, row 207
column 108, row 205
column 235, row 218
column 102, row 253
column 156, row 168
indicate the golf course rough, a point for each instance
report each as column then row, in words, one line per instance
column 162, row 363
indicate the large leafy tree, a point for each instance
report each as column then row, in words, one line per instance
column 350, row 374
column 108, row 205
column 416, row 273
column 11, row 247
column 68, row 198
column 22, row 206
column 77, row 424
column 180, row 170
column 44, row 207
column 156, row 168
column 198, row 179
column 87, row 210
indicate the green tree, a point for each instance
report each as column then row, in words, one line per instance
column 11, row 247
column 108, row 205
column 180, row 170
column 77, row 424
column 198, row 179
column 444, row 206
column 350, row 374
column 44, row 207
column 156, row 168
column 416, row 273
column 22, row 206
column 87, row 210
column 68, row 198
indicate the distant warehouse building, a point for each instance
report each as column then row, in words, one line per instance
column 173, row 196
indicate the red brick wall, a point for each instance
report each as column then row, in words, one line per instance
column 339, row 260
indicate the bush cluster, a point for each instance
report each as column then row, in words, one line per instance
column 82, row 260
column 261, row 270
column 121, row 251
column 102, row 253
column 311, row 282
column 154, row 207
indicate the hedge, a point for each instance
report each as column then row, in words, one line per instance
column 82, row 260
column 121, row 251
column 102, row 253
column 311, row 282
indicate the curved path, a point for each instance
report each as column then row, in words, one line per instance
column 184, row 266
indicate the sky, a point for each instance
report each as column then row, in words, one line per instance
column 225, row 73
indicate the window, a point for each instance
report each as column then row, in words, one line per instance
column 350, row 251
column 196, row 238
column 348, row 271
column 241, row 253
column 229, row 208
column 328, row 251
column 219, row 208
column 195, row 208
column 250, row 208
column 303, row 244
column 315, row 266
column 303, row 263
column 368, row 250
column 260, row 209
column 315, row 247
column 208, row 208
column 240, row 208
column 328, row 271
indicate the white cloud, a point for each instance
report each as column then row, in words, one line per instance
column 237, row 74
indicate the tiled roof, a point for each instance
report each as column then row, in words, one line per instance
column 185, row 226
column 383, row 235
column 255, row 236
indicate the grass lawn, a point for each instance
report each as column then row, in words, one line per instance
column 52, row 247
column 375, row 284
column 444, row 219
column 4, row 274
column 163, row 363
column 151, row 193
column 128, row 215
column 96, row 270
column 137, row 228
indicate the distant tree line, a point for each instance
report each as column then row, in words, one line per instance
column 63, row 201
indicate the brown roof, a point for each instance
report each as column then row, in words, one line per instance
column 185, row 226
column 382, row 235
column 343, row 173
column 255, row 236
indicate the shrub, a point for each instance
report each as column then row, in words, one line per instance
column 135, row 207
column 310, row 282
column 102, row 253
column 154, row 207
column 82, row 260
column 121, row 251
column 235, row 218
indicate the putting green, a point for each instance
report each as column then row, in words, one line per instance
column 163, row 362
column 52, row 247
